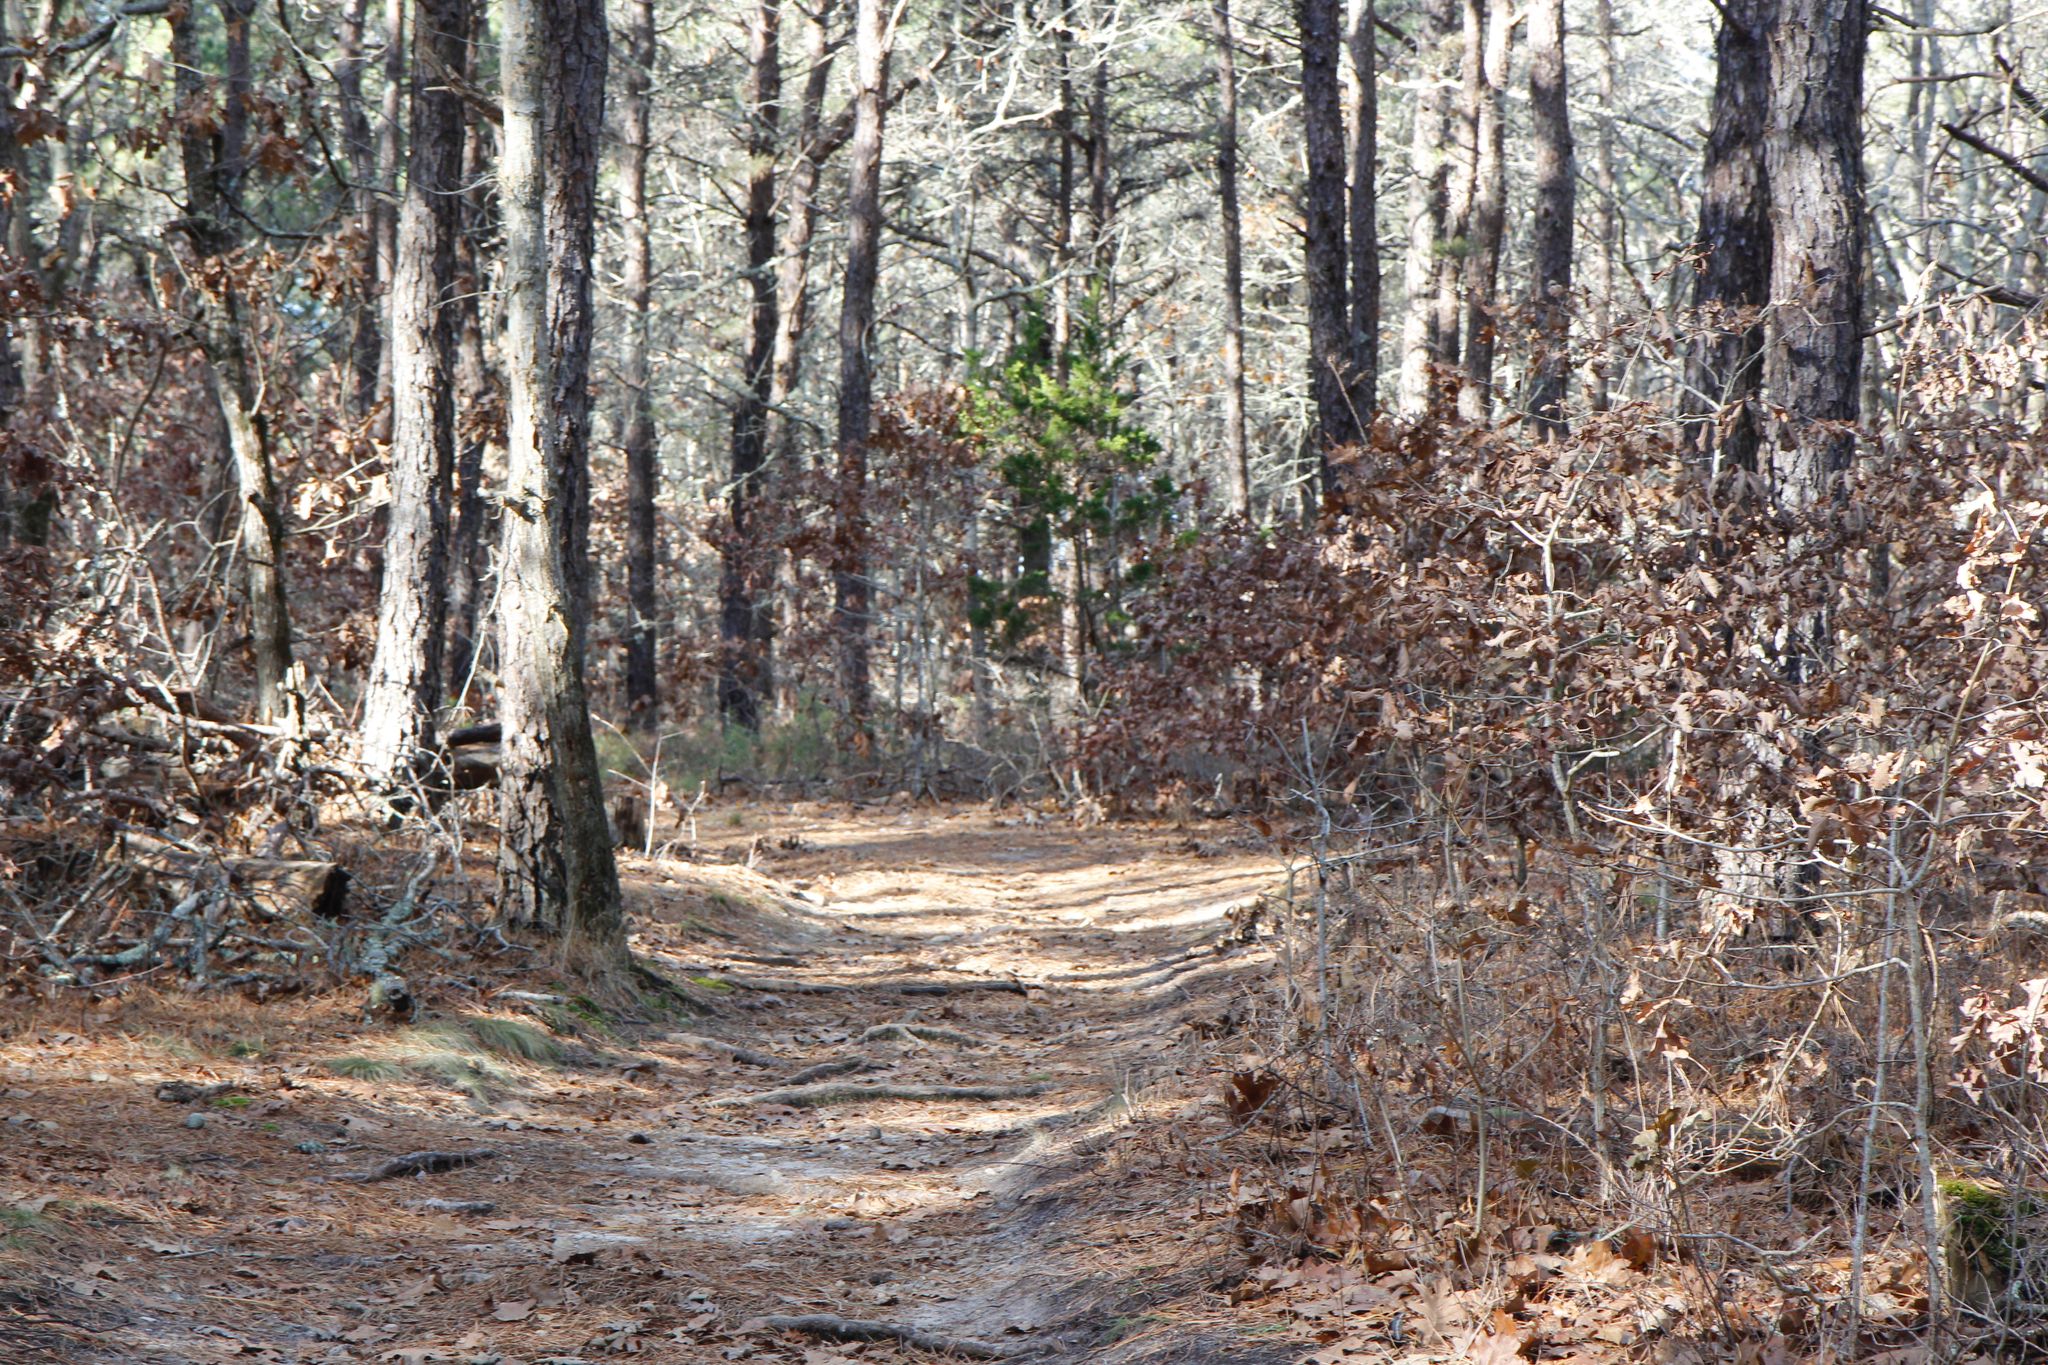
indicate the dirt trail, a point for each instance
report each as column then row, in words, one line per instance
column 646, row 1201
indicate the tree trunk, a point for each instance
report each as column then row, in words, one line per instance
column 1720, row 418
column 1364, row 154
column 792, row 275
column 1236, row 455
column 1422, row 352
column 1551, row 234
column 405, row 678
column 212, row 180
column 1606, row 216
column 555, row 868
column 637, row 438
column 1813, row 354
column 579, row 41
column 1489, row 210
column 851, row 593
column 366, row 339
column 1329, row 332
column 478, row 398
column 742, row 585
column 384, row 225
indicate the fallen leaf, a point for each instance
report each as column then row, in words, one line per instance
column 513, row 1310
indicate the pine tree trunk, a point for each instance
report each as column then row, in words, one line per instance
column 1323, row 215
column 1236, row 454
column 404, row 687
column 384, row 222
column 1813, row 354
column 1364, row 153
column 579, row 41
column 851, row 593
column 1489, row 212
column 1720, row 417
column 1606, row 215
column 1422, row 355
column 555, row 870
column 212, row 169
column 637, row 437
column 366, row 340
column 477, row 396
column 1551, row 233
column 800, row 186
column 743, row 589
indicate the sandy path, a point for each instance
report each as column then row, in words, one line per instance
column 659, row 1211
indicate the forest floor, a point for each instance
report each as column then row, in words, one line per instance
column 646, row 1195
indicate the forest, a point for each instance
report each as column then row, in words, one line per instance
column 1072, row 680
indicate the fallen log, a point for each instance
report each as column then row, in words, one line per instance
column 277, row 886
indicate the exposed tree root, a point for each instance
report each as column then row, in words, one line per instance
column 833, row 1328
column 908, row 986
column 838, row 1066
column 905, row 1031
column 698, row 1042
column 849, row 1092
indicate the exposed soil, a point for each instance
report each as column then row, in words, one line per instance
column 641, row 1199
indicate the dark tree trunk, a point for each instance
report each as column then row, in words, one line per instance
column 1720, row 417
column 1323, row 213
column 1460, row 185
column 479, row 401
column 579, row 41
column 366, row 339
column 384, row 224
column 1236, row 457
column 1550, row 245
column 555, row 870
column 213, row 168
column 1813, row 355
column 800, row 187
column 743, row 587
column 851, row 590
column 404, row 688
column 1422, row 354
column 1364, row 210
column 642, row 451
column 1489, row 210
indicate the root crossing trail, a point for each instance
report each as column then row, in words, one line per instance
column 932, row 1115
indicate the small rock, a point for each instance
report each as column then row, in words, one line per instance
column 195, row 1120
column 99, row 1078
column 310, row 1148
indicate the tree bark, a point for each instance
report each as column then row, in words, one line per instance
column 1551, row 233
column 1422, row 352
column 1489, row 210
column 1236, row 455
column 1323, row 214
column 742, row 584
column 478, row 402
column 1719, row 413
column 792, row 274
column 1813, row 353
column 384, row 235
column 851, row 590
column 212, row 168
column 1364, row 153
column 555, row 869
column 366, row 336
column 579, row 41
column 404, row 689
column 637, row 437
column 1606, row 215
